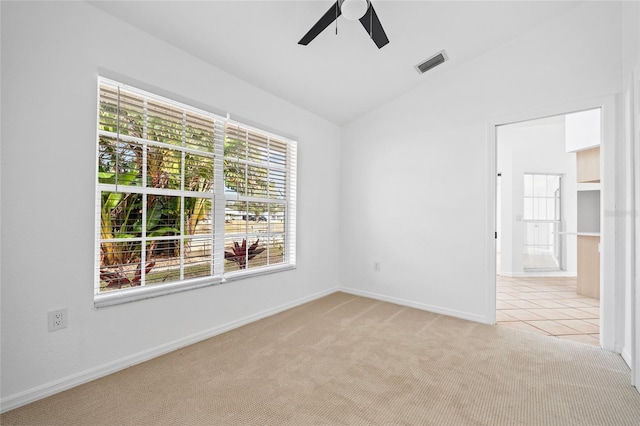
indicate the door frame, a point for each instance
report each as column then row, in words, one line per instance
column 632, row 126
column 611, row 306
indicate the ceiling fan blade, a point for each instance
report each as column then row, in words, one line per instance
column 324, row 22
column 369, row 20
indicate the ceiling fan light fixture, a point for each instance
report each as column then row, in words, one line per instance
column 354, row 9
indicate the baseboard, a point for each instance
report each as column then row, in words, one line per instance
column 422, row 306
column 626, row 356
column 51, row 388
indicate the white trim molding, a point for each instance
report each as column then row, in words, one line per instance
column 417, row 305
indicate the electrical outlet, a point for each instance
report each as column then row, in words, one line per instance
column 58, row 319
column 376, row 266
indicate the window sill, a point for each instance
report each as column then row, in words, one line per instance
column 117, row 297
column 239, row 275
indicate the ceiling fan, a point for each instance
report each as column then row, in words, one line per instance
column 361, row 10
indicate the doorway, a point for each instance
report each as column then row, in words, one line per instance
column 538, row 207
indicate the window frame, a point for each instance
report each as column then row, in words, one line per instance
column 534, row 218
column 218, row 195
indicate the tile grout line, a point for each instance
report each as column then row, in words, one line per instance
column 555, row 291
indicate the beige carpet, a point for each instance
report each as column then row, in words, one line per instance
column 347, row 360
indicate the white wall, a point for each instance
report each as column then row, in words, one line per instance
column 583, row 130
column 534, row 147
column 51, row 53
column 426, row 153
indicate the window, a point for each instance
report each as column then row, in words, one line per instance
column 186, row 198
column 542, row 222
column 255, row 171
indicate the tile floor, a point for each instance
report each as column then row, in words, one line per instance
column 548, row 305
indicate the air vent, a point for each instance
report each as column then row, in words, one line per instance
column 432, row 62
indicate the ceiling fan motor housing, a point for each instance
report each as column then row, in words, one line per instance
column 354, row 9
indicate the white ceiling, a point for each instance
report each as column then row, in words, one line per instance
column 336, row 77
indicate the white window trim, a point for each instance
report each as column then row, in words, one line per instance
column 120, row 296
column 117, row 297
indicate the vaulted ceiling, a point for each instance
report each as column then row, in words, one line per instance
column 338, row 77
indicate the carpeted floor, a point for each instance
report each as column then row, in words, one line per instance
column 348, row 360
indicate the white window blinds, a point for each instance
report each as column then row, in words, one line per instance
column 260, row 199
column 183, row 197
